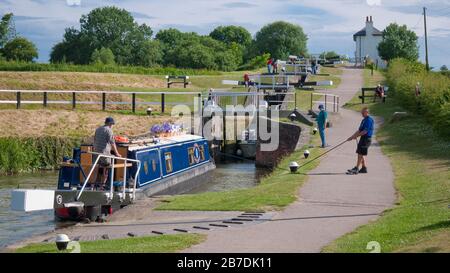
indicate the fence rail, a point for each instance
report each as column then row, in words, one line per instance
column 221, row 97
column 224, row 98
column 73, row 101
column 327, row 99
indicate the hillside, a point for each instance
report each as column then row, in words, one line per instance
column 77, row 81
column 65, row 123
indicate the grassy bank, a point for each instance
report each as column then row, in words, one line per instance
column 433, row 102
column 70, row 124
column 274, row 192
column 77, row 81
column 152, row 244
column 420, row 157
column 28, row 154
column 21, row 66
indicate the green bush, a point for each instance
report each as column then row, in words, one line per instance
column 29, row 154
column 434, row 100
column 103, row 56
column 255, row 63
column 20, row 49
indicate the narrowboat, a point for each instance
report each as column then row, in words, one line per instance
column 153, row 165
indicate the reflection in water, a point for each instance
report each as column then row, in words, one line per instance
column 16, row 226
column 232, row 175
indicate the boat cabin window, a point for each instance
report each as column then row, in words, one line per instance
column 191, row 155
column 168, row 159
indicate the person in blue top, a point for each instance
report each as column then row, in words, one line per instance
column 322, row 124
column 365, row 132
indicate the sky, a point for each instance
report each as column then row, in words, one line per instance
column 329, row 24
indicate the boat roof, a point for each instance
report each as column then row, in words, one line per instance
column 164, row 141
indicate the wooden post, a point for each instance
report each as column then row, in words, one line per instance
column 163, row 102
column 363, row 94
column 133, row 102
column 311, row 101
column 426, row 37
column 45, row 99
column 325, row 102
column 235, row 126
column 18, row 100
column 168, row 81
column 200, row 113
column 224, row 127
column 74, row 100
column 334, row 103
column 295, row 98
column 103, row 101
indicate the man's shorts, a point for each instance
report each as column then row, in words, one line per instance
column 103, row 161
column 363, row 145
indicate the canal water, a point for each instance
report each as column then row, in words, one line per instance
column 16, row 226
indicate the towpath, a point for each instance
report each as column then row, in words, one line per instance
column 330, row 203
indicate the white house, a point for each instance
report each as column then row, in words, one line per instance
column 367, row 40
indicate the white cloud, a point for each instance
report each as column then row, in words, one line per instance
column 374, row 2
column 73, row 3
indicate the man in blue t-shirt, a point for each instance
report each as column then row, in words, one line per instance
column 365, row 132
column 322, row 124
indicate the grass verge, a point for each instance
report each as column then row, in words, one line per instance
column 303, row 97
column 275, row 191
column 369, row 81
column 23, row 66
column 420, row 220
column 151, row 244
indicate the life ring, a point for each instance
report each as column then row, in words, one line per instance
column 121, row 139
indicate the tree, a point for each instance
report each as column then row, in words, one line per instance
column 20, row 49
column 232, row 34
column 103, row 56
column 398, row 42
column 75, row 48
column 169, row 36
column 148, row 54
column 281, row 39
column 212, row 54
column 329, row 55
column 444, row 68
column 108, row 27
column 6, row 29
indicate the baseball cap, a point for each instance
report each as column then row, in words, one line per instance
column 109, row 120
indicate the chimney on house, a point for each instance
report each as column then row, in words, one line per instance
column 369, row 25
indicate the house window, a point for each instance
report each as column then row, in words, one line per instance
column 168, row 159
column 191, row 155
column 202, row 153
